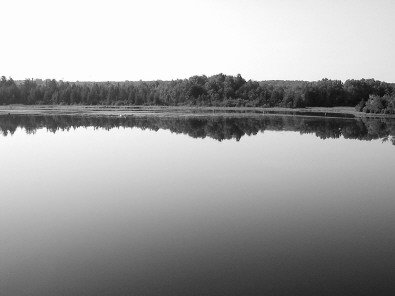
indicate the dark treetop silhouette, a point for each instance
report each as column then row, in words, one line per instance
column 367, row 95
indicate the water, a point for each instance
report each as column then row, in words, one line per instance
column 208, row 205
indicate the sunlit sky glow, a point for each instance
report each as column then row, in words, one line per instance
column 153, row 39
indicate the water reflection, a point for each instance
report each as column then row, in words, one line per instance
column 131, row 212
column 216, row 127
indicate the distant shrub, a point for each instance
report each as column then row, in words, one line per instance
column 377, row 104
column 360, row 106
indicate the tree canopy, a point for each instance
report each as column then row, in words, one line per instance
column 217, row 90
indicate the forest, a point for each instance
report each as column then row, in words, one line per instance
column 367, row 95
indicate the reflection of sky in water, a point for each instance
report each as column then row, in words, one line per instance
column 126, row 211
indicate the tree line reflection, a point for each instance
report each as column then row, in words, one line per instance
column 216, row 127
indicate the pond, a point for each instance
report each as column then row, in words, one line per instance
column 196, row 205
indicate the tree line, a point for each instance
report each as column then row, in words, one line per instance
column 217, row 90
column 216, row 127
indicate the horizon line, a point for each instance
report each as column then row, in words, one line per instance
column 199, row 75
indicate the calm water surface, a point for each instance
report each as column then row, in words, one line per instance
column 196, row 206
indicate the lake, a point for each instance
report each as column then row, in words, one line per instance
column 196, row 205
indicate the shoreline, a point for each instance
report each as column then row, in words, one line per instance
column 132, row 110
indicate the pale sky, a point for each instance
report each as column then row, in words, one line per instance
column 153, row 39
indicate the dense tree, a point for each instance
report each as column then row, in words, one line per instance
column 217, row 90
column 377, row 104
